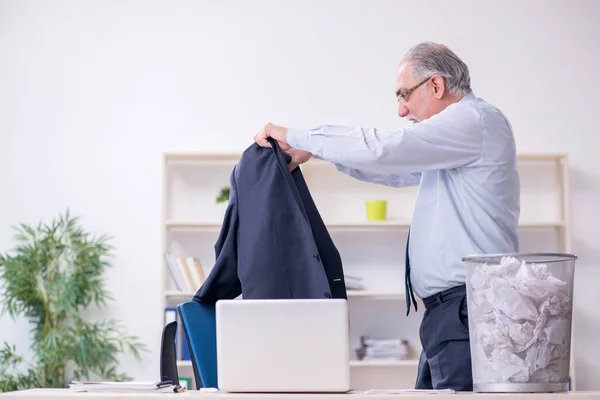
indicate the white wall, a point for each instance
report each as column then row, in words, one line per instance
column 92, row 92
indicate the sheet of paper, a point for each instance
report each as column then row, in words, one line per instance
column 121, row 387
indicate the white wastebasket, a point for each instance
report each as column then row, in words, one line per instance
column 520, row 312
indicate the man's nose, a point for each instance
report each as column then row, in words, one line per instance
column 402, row 110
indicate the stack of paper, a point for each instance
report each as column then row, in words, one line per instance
column 123, row 387
column 382, row 349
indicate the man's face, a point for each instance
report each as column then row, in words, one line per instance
column 421, row 103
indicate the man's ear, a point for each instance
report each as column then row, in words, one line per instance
column 439, row 86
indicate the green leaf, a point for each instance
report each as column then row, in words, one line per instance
column 52, row 275
column 223, row 195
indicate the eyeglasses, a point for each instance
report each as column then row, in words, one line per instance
column 403, row 97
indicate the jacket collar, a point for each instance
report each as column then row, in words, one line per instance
column 283, row 160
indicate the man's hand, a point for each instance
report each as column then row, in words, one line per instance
column 298, row 157
column 279, row 133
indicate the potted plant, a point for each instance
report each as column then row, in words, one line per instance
column 223, row 196
column 52, row 277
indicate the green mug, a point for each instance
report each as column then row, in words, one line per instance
column 376, row 210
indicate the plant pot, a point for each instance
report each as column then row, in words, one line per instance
column 376, row 210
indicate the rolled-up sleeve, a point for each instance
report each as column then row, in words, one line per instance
column 451, row 139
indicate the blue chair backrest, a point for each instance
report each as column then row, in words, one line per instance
column 200, row 327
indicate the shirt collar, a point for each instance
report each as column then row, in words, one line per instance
column 468, row 97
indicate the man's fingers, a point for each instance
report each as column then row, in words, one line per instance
column 261, row 139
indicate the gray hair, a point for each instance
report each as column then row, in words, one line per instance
column 430, row 58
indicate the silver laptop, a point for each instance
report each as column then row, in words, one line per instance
column 283, row 345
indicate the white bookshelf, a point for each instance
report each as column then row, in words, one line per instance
column 372, row 250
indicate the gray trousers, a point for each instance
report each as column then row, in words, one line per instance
column 445, row 361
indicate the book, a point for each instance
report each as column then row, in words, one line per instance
column 176, row 273
column 196, row 272
column 185, row 381
column 182, row 350
column 187, row 272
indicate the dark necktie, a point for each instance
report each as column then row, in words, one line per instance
column 410, row 295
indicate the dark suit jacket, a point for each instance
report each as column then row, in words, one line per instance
column 273, row 243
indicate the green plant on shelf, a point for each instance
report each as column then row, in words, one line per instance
column 223, row 196
column 53, row 277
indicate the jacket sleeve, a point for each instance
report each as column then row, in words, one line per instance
column 222, row 281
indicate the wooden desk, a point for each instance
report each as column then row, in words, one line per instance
column 193, row 394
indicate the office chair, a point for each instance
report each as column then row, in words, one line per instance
column 200, row 329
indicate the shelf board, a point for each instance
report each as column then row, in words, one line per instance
column 351, row 293
column 201, row 157
column 170, row 224
column 374, row 294
column 176, row 293
column 549, row 224
column 199, row 225
column 367, row 224
column 353, row 363
column 192, row 225
column 384, row 363
column 541, row 156
column 523, row 157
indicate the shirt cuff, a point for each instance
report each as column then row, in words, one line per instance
column 298, row 139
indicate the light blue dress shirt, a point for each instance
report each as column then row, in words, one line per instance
column 464, row 161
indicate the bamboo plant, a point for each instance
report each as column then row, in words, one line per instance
column 52, row 277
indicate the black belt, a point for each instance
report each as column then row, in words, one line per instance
column 446, row 295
